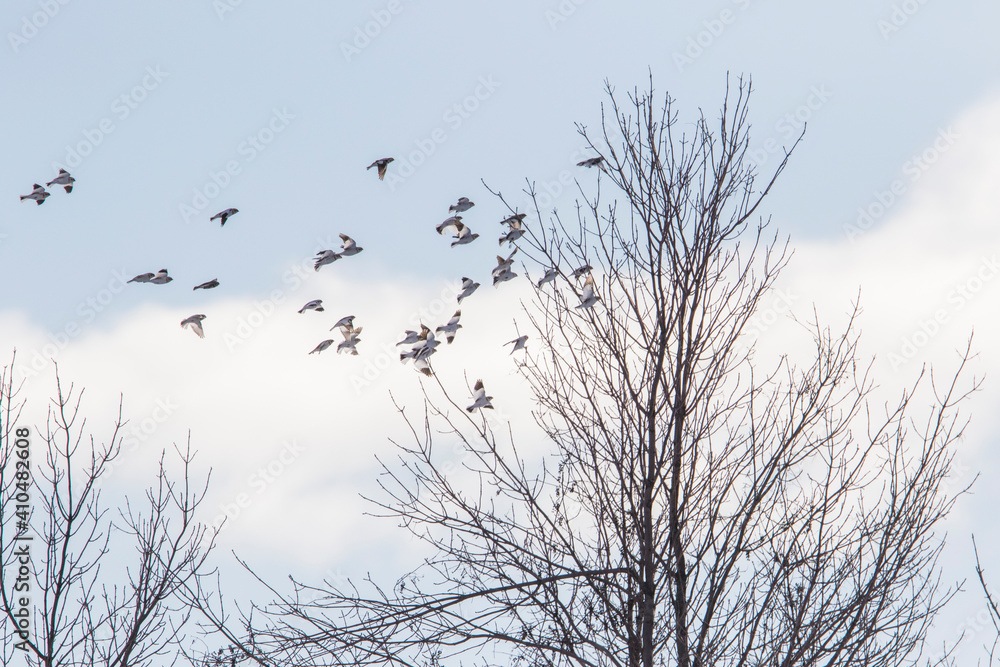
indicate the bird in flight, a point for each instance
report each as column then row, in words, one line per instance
column 592, row 162
column 209, row 285
column 322, row 346
column 345, row 324
column 38, row 195
column 63, row 179
column 315, row 304
column 464, row 235
column 411, row 337
column 479, row 398
column 517, row 217
column 583, row 271
column 503, row 276
column 519, row 343
column 325, row 257
column 504, row 264
column 222, row 216
column 451, row 328
column 550, row 275
column 588, row 298
column 194, row 323
column 350, row 340
column 350, row 247
column 381, row 163
column 161, row 278
column 514, row 232
column 454, row 221
column 468, row 287
column 463, row 205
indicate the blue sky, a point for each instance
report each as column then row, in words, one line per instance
column 166, row 114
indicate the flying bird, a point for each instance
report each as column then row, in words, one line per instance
column 345, row 324
column 423, row 366
column 468, row 287
column 410, row 337
column 454, row 221
column 583, row 271
column 142, row 278
column 325, row 257
column 209, row 285
column 322, row 346
column 38, row 195
column 351, row 338
column 161, row 278
column 514, row 233
column 517, row 217
column 63, row 179
column 588, row 298
column 315, row 304
column 479, row 398
column 463, row 205
column 550, row 275
column 504, row 264
column 194, row 322
column 224, row 215
column 592, row 162
column 451, row 328
column 503, row 277
column 350, row 247
column 464, row 236
column 381, row 163
column 519, row 343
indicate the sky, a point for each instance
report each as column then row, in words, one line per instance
column 168, row 113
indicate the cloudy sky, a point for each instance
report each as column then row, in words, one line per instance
column 168, row 113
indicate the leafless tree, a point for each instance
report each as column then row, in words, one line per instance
column 699, row 509
column 66, row 576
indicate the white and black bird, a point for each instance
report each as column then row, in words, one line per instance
column 454, row 222
column 381, row 163
column 592, row 162
column 350, row 247
column 211, row 284
column 503, row 277
column 161, row 278
column 351, row 339
column 345, row 324
column 423, row 366
column 324, row 257
column 451, row 328
column 63, row 179
column 588, row 298
column 468, row 287
column 315, row 304
column 37, row 195
column 583, row 271
column 222, row 216
column 194, row 323
column 517, row 217
column 143, row 278
column 426, row 347
column 410, row 337
column 479, row 398
column 464, row 235
column 322, row 346
column 504, row 264
column 550, row 275
column 519, row 343
column 463, row 205
column 514, row 232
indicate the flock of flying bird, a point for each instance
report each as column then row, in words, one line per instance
column 422, row 343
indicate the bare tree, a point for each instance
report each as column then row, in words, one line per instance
column 701, row 510
column 70, row 593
